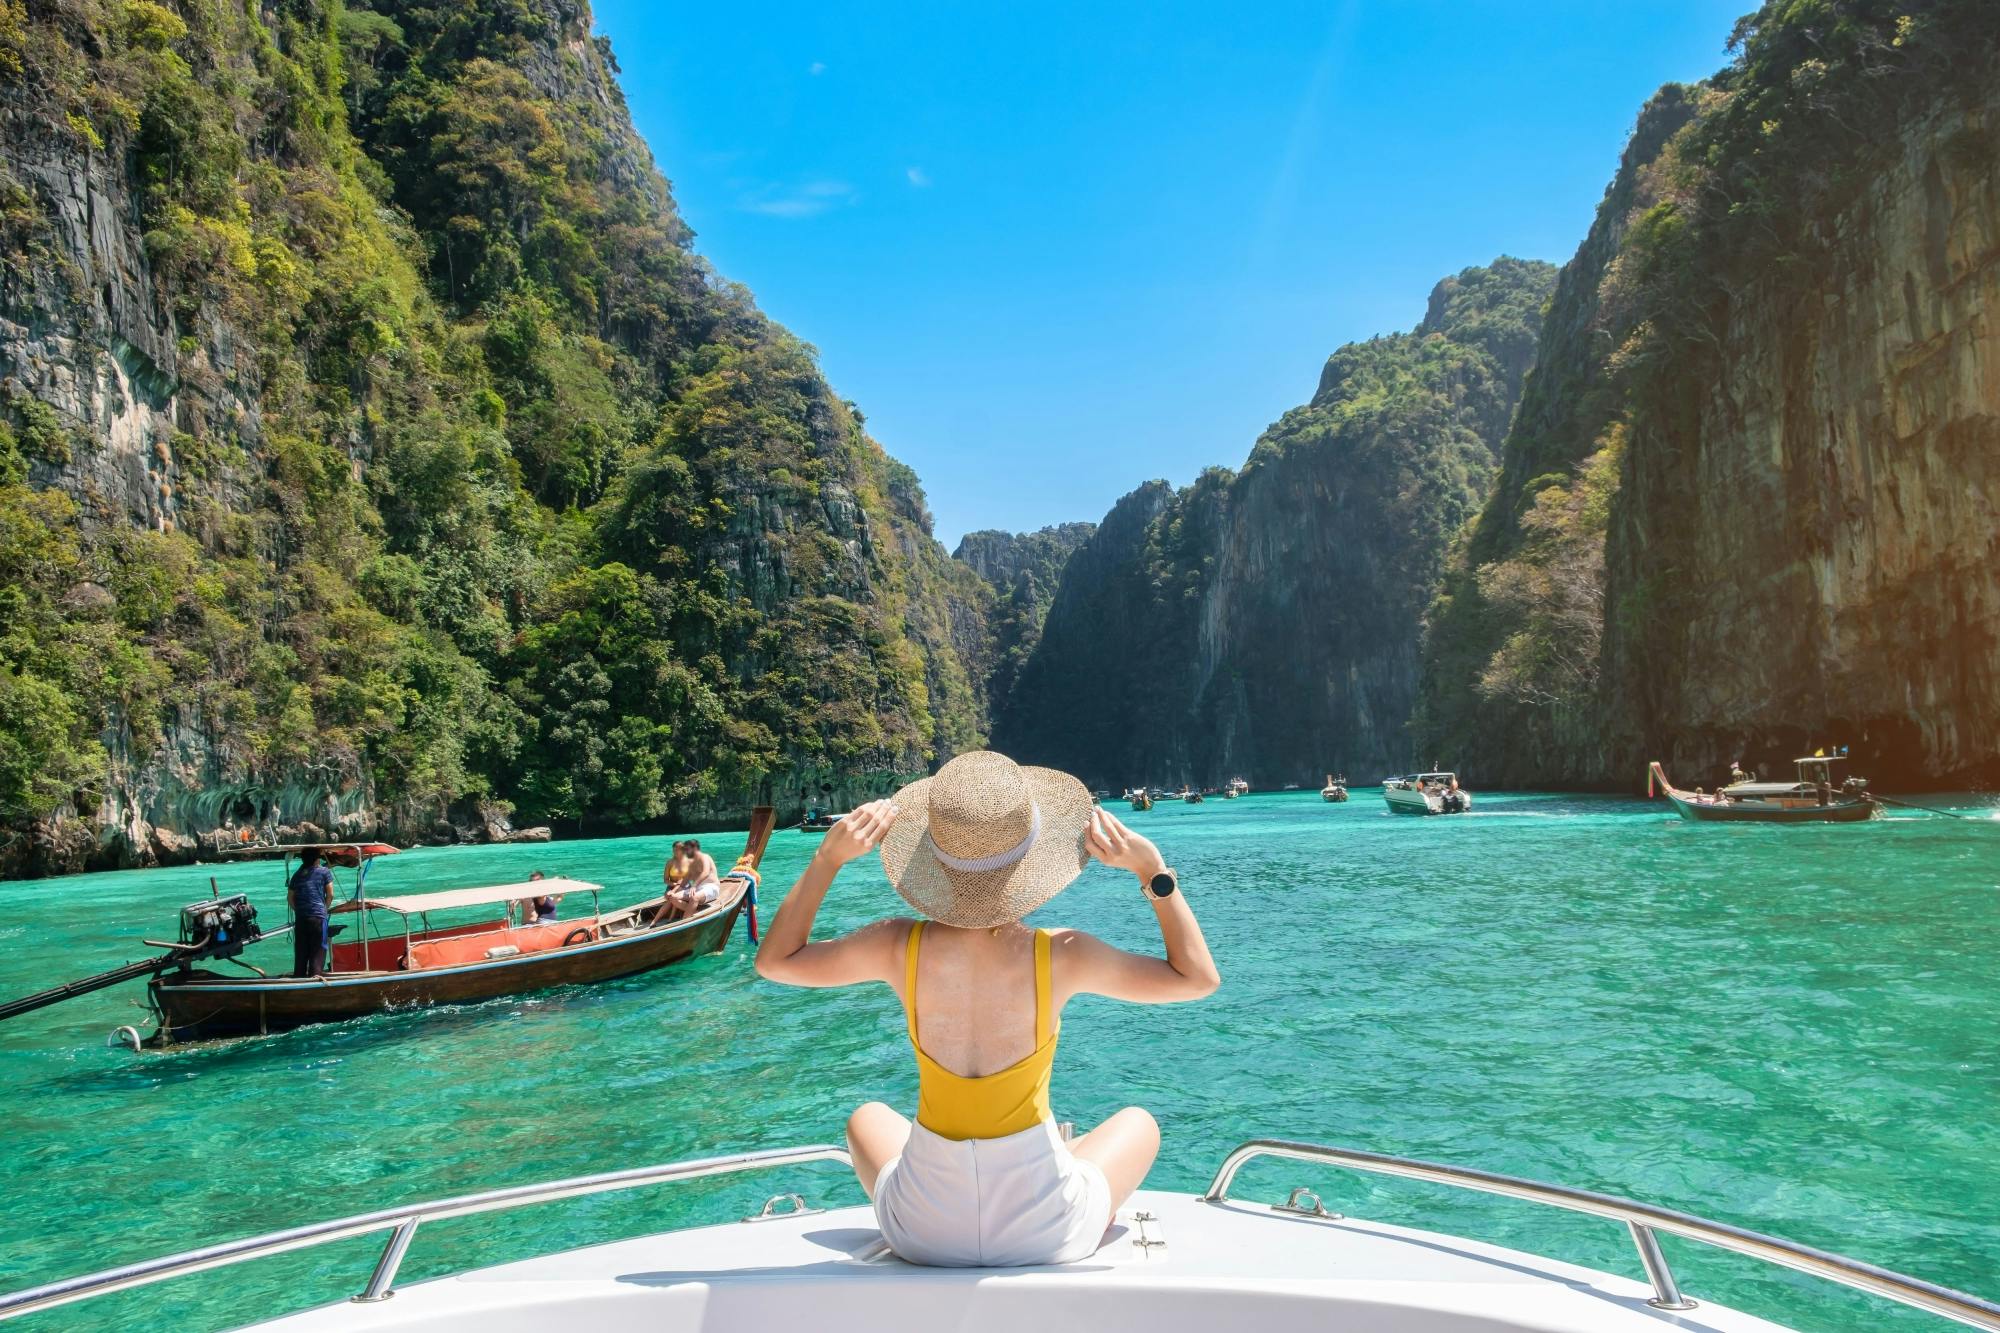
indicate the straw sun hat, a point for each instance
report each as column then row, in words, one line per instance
column 986, row 841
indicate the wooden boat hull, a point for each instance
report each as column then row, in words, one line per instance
column 1846, row 811
column 205, row 1004
column 1770, row 812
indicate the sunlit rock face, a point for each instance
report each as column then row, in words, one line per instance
column 1803, row 546
column 1829, row 495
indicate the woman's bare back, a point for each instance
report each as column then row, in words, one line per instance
column 975, row 996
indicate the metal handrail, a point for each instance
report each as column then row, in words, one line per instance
column 404, row 1220
column 1643, row 1219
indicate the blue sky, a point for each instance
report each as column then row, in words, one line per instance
column 1055, row 250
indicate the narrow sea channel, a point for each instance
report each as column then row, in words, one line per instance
column 1791, row 1029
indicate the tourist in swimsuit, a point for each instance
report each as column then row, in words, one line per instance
column 983, row 1178
column 698, row 883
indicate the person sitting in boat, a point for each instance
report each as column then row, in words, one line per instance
column 699, row 882
column 539, row 911
column 310, row 893
column 984, row 1178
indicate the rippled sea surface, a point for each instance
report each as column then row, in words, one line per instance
column 1795, row 1030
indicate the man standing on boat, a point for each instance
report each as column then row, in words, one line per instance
column 311, row 896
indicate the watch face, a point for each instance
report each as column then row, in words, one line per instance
column 1163, row 884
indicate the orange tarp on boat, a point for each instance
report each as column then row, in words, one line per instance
column 458, row 949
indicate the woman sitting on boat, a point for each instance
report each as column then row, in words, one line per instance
column 983, row 1178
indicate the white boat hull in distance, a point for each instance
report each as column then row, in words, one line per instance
column 1404, row 801
column 1204, row 1267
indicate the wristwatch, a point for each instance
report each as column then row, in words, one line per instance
column 1161, row 885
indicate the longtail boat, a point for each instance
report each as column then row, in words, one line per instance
column 418, row 964
column 1335, row 789
column 1813, row 799
column 452, row 964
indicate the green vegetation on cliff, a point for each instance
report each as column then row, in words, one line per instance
column 1692, row 546
column 1266, row 622
column 465, row 479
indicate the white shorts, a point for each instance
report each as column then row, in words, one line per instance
column 992, row 1203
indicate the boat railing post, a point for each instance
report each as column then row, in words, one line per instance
column 1666, row 1292
column 382, row 1282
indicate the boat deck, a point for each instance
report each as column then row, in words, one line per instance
column 1210, row 1266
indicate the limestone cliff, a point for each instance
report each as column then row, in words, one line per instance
column 377, row 455
column 1266, row 623
column 1752, row 501
column 1023, row 571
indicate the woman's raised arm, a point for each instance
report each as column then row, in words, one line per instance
column 788, row 954
column 1090, row 966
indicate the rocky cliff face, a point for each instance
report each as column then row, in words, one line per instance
column 1761, row 445
column 1022, row 572
column 377, row 456
column 1266, row 623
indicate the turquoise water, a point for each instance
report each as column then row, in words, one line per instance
column 1791, row 1029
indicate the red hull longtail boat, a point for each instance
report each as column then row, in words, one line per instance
column 459, row 963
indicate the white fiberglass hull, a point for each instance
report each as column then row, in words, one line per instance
column 1406, row 802
column 1213, row 1266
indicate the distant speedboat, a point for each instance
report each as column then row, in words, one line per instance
column 1435, row 793
column 1335, row 789
column 1141, row 799
column 1813, row 799
column 1238, row 787
column 818, row 821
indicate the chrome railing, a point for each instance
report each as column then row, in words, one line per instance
column 1644, row 1220
column 402, row 1225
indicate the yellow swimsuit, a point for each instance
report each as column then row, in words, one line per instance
column 995, row 1105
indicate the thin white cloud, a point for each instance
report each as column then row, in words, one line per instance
column 918, row 177
column 817, row 68
column 806, row 200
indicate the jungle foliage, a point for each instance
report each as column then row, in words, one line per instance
column 536, row 510
column 1727, row 193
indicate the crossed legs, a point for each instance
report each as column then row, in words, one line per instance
column 1123, row 1147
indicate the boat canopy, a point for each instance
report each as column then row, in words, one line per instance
column 1427, row 777
column 269, row 849
column 410, row 904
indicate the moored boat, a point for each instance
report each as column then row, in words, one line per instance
column 1335, row 789
column 1812, row 799
column 1169, row 1261
column 418, row 963
column 1142, row 799
column 1434, row 793
column 818, row 821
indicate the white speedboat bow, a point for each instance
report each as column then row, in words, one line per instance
column 1171, row 1263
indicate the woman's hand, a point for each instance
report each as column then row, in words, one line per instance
column 1115, row 845
column 857, row 834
